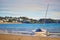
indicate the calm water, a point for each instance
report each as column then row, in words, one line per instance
column 51, row 27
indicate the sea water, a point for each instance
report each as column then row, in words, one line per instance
column 50, row 27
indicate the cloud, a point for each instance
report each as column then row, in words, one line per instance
column 27, row 7
column 32, row 5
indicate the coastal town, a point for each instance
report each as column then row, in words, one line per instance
column 7, row 19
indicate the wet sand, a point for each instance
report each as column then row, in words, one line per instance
column 18, row 37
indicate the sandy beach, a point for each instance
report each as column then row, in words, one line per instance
column 10, row 23
column 18, row 37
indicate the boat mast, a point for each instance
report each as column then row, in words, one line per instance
column 47, row 33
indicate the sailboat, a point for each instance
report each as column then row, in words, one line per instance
column 40, row 31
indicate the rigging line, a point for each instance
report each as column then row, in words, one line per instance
column 46, row 10
column 46, row 13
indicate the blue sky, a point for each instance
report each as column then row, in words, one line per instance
column 30, row 8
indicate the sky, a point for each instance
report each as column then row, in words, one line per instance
column 35, row 9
